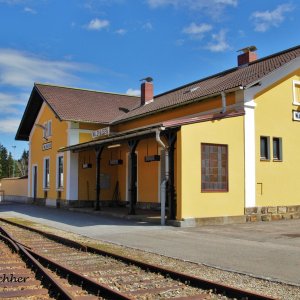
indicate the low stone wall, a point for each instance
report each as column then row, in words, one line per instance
column 16, row 198
column 272, row 213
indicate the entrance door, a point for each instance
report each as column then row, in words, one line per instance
column 34, row 182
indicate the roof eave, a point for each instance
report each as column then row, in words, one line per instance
column 19, row 136
column 177, row 105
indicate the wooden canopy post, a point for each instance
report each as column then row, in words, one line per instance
column 171, row 136
column 98, row 150
column 133, row 180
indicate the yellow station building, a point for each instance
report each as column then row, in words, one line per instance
column 223, row 147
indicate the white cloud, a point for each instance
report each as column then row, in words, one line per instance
column 148, row 26
column 212, row 7
column 219, row 43
column 30, row 10
column 197, row 31
column 264, row 20
column 21, row 69
column 133, row 92
column 97, row 24
column 12, row 104
column 121, row 31
column 9, row 125
column 12, row 2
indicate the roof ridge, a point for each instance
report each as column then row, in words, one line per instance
column 83, row 89
column 228, row 71
column 274, row 55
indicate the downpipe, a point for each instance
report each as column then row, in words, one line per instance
column 163, row 185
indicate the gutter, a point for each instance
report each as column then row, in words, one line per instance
column 177, row 105
column 121, row 137
column 163, row 185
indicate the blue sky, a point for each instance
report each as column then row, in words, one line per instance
column 110, row 44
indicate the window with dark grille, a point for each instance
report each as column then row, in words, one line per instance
column 277, row 148
column 214, row 168
column 46, row 173
column 60, row 175
column 264, row 148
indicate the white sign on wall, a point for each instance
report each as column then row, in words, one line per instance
column 296, row 115
column 47, row 146
column 101, row 132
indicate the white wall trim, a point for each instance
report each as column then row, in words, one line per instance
column 72, row 164
column 295, row 100
column 250, row 154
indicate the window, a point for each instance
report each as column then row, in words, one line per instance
column 47, row 129
column 277, row 148
column 60, row 171
column 264, row 148
column 296, row 92
column 46, row 173
column 214, row 168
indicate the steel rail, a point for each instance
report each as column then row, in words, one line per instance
column 192, row 280
column 38, row 269
column 77, row 278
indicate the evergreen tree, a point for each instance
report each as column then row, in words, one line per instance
column 4, row 162
column 11, row 166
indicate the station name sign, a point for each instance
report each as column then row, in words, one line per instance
column 47, row 146
column 101, row 132
column 296, row 115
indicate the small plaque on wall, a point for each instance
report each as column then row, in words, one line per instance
column 296, row 115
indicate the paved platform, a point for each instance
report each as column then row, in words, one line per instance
column 266, row 249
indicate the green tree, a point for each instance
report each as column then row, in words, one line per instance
column 22, row 164
column 11, row 165
column 4, row 162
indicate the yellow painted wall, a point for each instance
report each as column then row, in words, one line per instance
column 85, row 137
column 202, row 106
column 58, row 139
column 87, row 177
column 14, row 186
column 148, row 173
column 273, row 117
column 193, row 202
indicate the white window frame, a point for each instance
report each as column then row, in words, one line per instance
column 47, row 129
column 296, row 84
column 44, row 173
column 59, row 188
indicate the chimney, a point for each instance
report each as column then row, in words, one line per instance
column 247, row 56
column 146, row 90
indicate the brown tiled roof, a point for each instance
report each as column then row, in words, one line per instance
column 100, row 107
column 85, row 105
column 229, row 79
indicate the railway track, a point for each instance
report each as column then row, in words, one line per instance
column 112, row 276
column 23, row 277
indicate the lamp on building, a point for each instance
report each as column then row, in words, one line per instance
column 43, row 127
column 114, row 146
